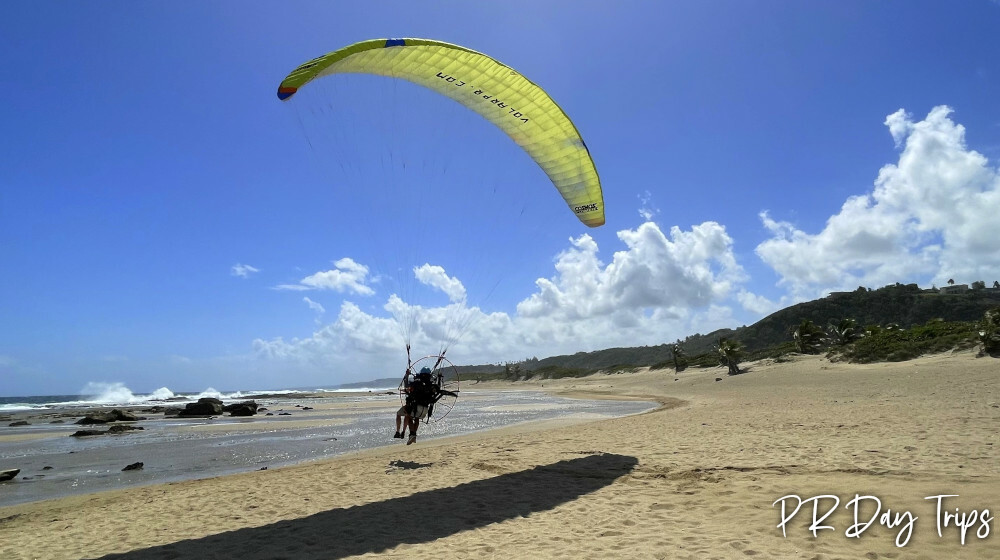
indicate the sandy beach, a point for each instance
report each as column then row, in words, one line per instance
column 696, row 478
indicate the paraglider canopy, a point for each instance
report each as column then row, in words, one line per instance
column 524, row 111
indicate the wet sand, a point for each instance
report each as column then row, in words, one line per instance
column 697, row 478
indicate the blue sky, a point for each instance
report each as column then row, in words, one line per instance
column 164, row 221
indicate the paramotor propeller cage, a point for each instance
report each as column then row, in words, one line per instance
column 444, row 375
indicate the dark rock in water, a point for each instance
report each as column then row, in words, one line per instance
column 83, row 433
column 19, row 423
column 125, row 416
column 133, row 467
column 57, row 422
column 120, row 428
column 307, row 408
column 116, row 429
column 47, row 468
column 269, row 414
column 284, row 414
column 245, row 408
column 95, row 418
column 261, row 408
column 206, row 406
column 114, row 415
column 263, row 468
column 8, row 474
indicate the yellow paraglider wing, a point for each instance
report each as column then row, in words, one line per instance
column 501, row 95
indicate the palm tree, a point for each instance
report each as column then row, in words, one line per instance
column 680, row 359
column 730, row 354
column 844, row 332
column 989, row 332
column 808, row 337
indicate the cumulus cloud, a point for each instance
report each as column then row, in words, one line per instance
column 756, row 304
column 688, row 269
column 930, row 217
column 347, row 276
column 652, row 290
column 243, row 270
column 435, row 277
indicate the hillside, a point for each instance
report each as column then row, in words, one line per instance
column 904, row 305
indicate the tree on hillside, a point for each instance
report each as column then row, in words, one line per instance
column 808, row 337
column 679, row 357
column 844, row 332
column 978, row 285
column 989, row 332
column 730, row 354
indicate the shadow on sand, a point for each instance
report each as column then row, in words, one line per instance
column 418, row 518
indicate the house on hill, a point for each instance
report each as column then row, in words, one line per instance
column 954, row 289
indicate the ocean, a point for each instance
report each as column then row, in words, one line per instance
column 118, row 395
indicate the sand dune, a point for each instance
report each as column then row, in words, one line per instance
column 694, row 479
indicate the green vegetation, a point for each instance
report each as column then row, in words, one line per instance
column 989, row 332
column 905, row 344
column 844, row 331
column 808, row 338
column 730, row 353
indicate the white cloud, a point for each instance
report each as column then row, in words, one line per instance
column 646, row 208
column 318, row 308
column 930, row 217
column 691, row 269
column 759, row 305
column 435, row 277
column 243, row 270
column 346, row 276
column 652, row 291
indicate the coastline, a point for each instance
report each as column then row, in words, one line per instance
column 697, row 477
